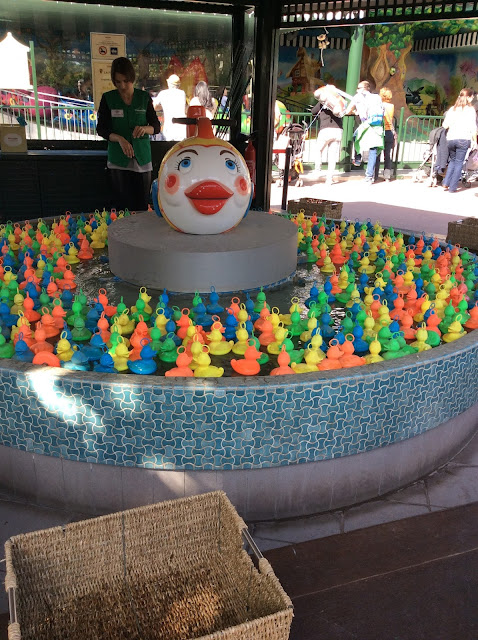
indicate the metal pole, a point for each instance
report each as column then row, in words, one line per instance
column 285, row 185
column 353, row 78
column 35, row 88
column 399, row 141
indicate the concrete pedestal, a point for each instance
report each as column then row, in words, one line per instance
column 144, row 250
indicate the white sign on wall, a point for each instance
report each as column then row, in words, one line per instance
column 104, row 47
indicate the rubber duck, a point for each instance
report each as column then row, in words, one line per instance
column 375, row 347
column 333, row 357
column 106, row 364
column 218, row 346
column 46, row 358
column 260, row 301
column 312, row 359
column 23, row 353
column 79, row 332
column 121, row 357
column 182, row 369
column 455, row 330
column 204, row 368
column 126, row 324
column 40, row 343
column 7, row 349
column 64, row 350
column 214, row 308
column 168, row 351
column 283, row 360
column 184, row 322
column 95, row 349
column 472, row 323
column 249, row 366
column 295, row 355
column 145, row 365
column 72, row 257
column 421, row 339
column 85, row 252
column 349, row 359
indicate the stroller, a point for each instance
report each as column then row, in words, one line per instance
column 470, row 170
column 295, row 135
column 435, row 159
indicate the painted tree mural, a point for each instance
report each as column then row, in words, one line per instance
column 384, row 60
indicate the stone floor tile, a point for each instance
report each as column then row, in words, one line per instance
column 453, row 486
column 469, row 455
column 414, row 494
column 293, row 531
column 379, row 512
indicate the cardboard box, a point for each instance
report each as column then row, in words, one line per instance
column 13, row 139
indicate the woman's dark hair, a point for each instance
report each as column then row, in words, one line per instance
column 123, row 66
column 202, row 93
column 462, row 100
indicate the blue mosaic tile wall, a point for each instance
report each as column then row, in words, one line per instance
column 233, row 423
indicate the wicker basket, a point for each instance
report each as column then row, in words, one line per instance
column 323, row 208
column 464, row 232
column 175, row 570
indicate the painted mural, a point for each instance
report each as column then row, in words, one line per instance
column 435, row 79
column 301, row 72
column 422, row 83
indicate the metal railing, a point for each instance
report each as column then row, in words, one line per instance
column 413, row 139
column 64, row 119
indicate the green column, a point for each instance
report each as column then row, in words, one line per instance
column 353, row 78
column 35, row 88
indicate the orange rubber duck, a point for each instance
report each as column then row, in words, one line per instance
column 283, row 360
column 181, row 370
column 248, row 366
column 45, row 357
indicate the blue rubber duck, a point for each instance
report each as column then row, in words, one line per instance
column 105, row 365
column 214, row 308
column 23, row 353
column 78, row 362
column 146, row 364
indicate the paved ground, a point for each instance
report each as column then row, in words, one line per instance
column 400, row 203
column 383, row 573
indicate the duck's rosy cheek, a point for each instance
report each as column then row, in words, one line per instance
column 171, row 184
column 241, row 185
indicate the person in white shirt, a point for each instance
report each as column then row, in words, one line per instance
column 203, row 98
column 173, row 103
column 460, row 123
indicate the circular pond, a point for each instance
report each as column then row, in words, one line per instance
column 279, row 446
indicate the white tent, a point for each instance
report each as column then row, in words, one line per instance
column 14, row 72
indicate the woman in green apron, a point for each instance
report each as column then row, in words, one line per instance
column 126, row 118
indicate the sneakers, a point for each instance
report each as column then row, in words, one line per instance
column 368, row 180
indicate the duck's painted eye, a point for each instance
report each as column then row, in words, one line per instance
column 231, row 165
column 184, row 164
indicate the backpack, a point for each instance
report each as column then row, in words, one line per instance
column 375, row 110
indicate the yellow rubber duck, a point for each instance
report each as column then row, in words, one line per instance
column 217, row 345
column 204, row 368
column 116, row 328
column 455, row 331
column 121, row 356
column 375, row 347
column 17, row 305
column 239, row 348
column 368, row 326
column 305, row 336
column 196, row 350
column 285, row 318
column 127, row 325
column 143, row 294
column 280, row 334
column 311, row 358
column 161, row 321
column 72, row 256
column 328, row 266
column 64, row 350
column 421, row 337
column 242, row 314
